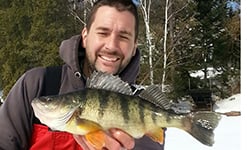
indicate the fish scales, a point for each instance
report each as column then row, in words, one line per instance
column 141, row 113
column 91, row 106
column 116, row 110
column 98, row 106
column 153, row 117
column 125, row 107
column 136, row 121
column 114, row 103
column 103, row 103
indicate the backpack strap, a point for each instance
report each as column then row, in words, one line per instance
column 52, row 80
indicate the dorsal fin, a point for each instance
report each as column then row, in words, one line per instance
column 100, row 80
column 154, row 95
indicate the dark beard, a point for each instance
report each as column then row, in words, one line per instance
column 88, row 68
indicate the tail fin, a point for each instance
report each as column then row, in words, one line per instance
column 203, row 125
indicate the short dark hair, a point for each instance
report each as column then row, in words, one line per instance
column 120, row 5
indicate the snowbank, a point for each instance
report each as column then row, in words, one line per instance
column 227, row 134
column 227, row 105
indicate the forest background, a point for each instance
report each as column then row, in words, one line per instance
column 177, row 38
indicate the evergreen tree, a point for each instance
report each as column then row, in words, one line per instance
column 211, row 45
column 31, row 34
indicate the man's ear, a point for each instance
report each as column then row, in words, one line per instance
column 135, row 48
column 84, row 37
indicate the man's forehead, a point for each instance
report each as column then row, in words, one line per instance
column 106, row 16
column 105, row 10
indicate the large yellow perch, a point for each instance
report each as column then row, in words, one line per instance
column 108, row 102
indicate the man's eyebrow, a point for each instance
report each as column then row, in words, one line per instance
column 124, row 32
column 102, row 29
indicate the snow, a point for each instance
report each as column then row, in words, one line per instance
column 211, row 72
column 227, row 105
column 227, row 134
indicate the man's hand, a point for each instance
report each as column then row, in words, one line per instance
column 115, row 140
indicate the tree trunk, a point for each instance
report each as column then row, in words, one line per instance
column 145, row 7
column 165, row 45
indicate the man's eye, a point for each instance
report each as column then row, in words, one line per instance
column 102, row 33
column 124, row 37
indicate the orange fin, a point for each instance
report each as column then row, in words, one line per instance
column 88, row 125
column 97, row 139
column 157, row 135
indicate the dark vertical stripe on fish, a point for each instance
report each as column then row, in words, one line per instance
column 103, row 98
column 83, row 96
column 124, row 108
column 141, row 112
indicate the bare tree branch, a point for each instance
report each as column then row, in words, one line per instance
column 75, row 15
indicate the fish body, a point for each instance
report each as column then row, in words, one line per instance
column 96, row 109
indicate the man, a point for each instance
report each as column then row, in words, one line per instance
column 107, row 44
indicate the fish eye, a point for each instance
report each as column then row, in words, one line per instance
column 48, row 99
column 42, row 99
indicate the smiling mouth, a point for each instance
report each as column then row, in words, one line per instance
column 109, row 59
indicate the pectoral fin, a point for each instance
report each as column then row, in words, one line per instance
column 157, row 135
column 96, row 138
column 95, row 135
column 87, row 125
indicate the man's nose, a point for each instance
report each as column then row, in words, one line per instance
column 112, row 43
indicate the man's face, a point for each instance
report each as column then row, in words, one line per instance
column 110, row 43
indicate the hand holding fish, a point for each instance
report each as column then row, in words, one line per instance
column 115, row 141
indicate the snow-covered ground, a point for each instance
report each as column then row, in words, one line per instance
column 227, row 134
